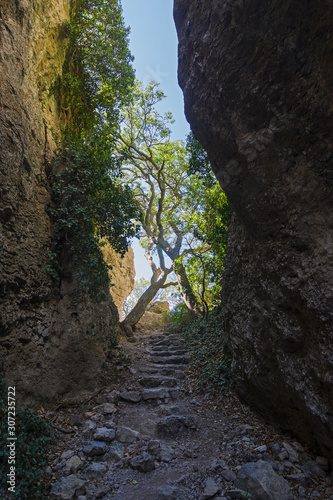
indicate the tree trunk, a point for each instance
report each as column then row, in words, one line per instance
column 140, row 307
column 186, row 289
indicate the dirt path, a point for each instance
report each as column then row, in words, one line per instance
column 158, row 438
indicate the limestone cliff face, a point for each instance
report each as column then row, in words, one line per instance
column 53, row 342
column 257, row 82
column 122, row 274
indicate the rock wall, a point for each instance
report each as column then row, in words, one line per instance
column 122, row 274
column 257, row 82
column 53, row 341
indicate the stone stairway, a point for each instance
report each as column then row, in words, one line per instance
column 159, row 439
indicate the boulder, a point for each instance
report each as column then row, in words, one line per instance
column 143, row 463
column 126, row 435
column 261, row 481
column 67, row 487
column 104, row 434
column 94, row 448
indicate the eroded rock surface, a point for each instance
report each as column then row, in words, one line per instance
column 53, row 342
column 257, row 83
column 122, row 274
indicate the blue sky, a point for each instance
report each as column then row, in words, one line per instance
column 153, row 43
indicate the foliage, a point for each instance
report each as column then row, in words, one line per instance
column 89, row 203
column 88, row 200
column 184, row 213
column 97, row 72
column 211, row 358
column 205, row 263
column 198, row 163
column 179, row 315
column 33, row 438
column 156, row 169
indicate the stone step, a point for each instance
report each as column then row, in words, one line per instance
column 155, row 381
column 177, row 352
column 163, row 348
column 172, row 360
column 165, row 369
column 160, row 393
column 173, row 372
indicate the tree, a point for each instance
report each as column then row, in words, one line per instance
column 205, row 267
column 156, row 170
column 174, row 202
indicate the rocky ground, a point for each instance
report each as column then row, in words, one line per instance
column 156, row 437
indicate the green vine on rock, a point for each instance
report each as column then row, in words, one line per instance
column 89, row 205
column 97, row 74
column 89, row 202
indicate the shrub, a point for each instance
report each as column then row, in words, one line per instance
column 211, row 358
column 33, row 439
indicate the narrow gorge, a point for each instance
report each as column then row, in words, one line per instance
column 257, row 82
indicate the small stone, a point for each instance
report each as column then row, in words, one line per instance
column 104, row 434
column 90, row 425
column 109, row 409
column 211, row 488
column 301, row 492
column 175, row 394
column 283, row 455
column 72, row 465
column 292, row 455
column 102, row 399
column 168, row 492
column 173, row 424
column 60, row 465
column 67, row 454
column 116, row 452
column 113, row 397
column 228, row 475
column 262, row 482
column 94, row 448
column 131, row 396
column 77, row 420
column 67, row 487
column 96, row 492
column 95, row 471
column 154, row 447
column 143, row 463
column 261, row 449
column 167, row 453
column 126, row 435
column 276, row 448
column 244, row 428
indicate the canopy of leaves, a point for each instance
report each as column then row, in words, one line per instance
column 97, row 73
column 184, row 214
column 198, row 162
